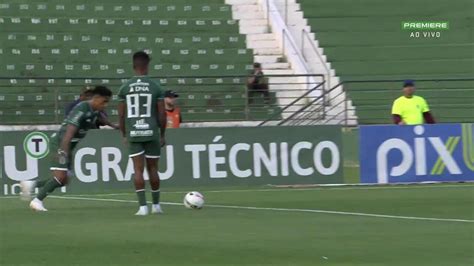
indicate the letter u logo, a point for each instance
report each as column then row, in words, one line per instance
column 468, row 145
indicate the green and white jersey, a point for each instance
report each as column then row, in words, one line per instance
column 81, row 116
column 141, row 95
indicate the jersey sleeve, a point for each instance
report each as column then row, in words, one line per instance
column 424, row 106
column 396, row 108
column 75, row 116
column 121, row 94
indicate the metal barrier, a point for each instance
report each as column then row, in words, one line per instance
column 42, row 100
column 338, row 109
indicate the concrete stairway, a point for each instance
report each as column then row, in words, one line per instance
column 267, row 50
column 314, row 55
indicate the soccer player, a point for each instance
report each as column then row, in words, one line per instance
column 102, row 120
column 142, row 121
column 74, row 127
column 411, row 109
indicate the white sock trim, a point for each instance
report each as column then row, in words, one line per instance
column 57, row 180
column 58, row 169
column 152, row 156
column 158, row 190
column 139, row 190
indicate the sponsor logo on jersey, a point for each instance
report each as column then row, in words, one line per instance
column 141, row 133
column 141, row 124
column 139, row 86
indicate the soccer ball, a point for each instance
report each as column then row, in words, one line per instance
column 193, row 200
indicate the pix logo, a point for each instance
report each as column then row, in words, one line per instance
column 415, row 154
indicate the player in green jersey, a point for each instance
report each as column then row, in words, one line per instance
column 74, row 127
column 142, row 121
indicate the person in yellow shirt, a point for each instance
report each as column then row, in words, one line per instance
column 411, row 109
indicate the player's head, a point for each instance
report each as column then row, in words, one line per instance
column 408, row 88
column 100, row 97
column 140, row 62
column 86, row 93
column 170, row 97
column 257, row 66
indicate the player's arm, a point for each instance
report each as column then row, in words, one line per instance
column 122, row 107
column 429, row 119
column 121, row 113
column 396, row 114
column 104, row 121
column 64, row 148
column 160, row 105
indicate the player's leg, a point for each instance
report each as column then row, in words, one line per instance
column 152, row 168
column 137, row 153
column 59, row 179
column 59, row 170
column 152, row 155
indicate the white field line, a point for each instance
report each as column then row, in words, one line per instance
column 276, row 190
column 283, row 210
column 290, row 189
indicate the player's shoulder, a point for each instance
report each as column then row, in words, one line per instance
column 153, row 82
column 126, row 84
column 418, row 98
column 82, row 106
column 399, row 99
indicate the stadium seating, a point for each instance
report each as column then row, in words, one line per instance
column 364, row 40
column 50, row 49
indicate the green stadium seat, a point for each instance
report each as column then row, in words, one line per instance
column 52, row 49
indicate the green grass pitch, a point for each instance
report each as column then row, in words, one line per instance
column 283, row 227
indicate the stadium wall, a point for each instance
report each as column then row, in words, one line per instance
column 218, row 157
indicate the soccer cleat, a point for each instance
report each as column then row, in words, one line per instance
column 142, row 211
column 37, row 205
column 27, row 188
column 156, row 209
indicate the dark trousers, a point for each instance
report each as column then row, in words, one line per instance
column 253, row 89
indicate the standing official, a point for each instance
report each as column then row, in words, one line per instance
column 173, row 112
column 411, row 109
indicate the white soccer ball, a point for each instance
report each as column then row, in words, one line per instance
column 193, row 200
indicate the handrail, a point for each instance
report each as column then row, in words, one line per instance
column 166, row 77
column 344, row 101
column 293, row 45
column 301, row 109
column 291, row 104
column 305, row 34
column 285, row 36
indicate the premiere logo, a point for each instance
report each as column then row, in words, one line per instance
column 425, row 29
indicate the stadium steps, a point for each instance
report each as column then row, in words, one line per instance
column 267, row 50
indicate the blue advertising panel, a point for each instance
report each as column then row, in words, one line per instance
column 398, row 154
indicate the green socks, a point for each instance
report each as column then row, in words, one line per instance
column 48, row 187
column 41, row 183
column 155, row 196
column 141, row 197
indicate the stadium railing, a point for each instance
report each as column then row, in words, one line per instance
column 42, row 100
column 451, row 100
